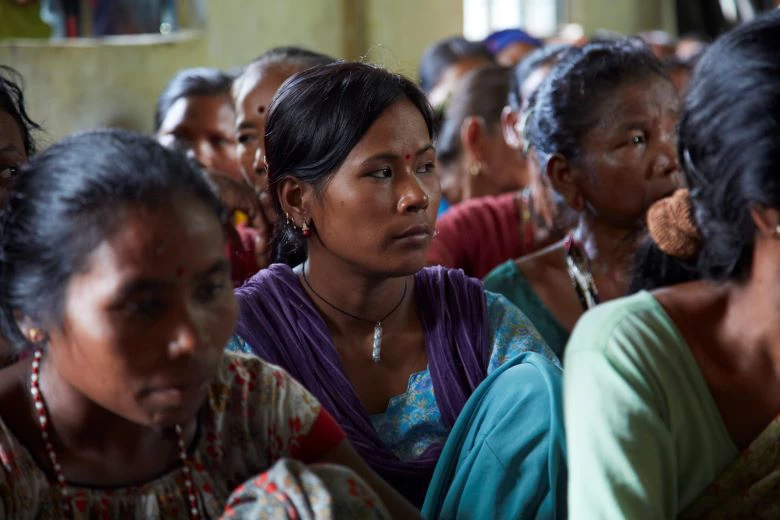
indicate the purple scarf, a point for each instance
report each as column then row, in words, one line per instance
column 281, row 324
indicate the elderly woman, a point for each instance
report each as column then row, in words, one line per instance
column 672, row 395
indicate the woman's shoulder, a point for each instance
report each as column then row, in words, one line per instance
column 542, row 263
column 633, row 328
column 275, row 275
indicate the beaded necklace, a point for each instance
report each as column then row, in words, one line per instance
column 578, row 267
column 43, row 420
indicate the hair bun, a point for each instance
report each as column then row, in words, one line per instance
column 671, row 225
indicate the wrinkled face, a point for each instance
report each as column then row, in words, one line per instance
column 253, row 96
column 628, row 159
column 378, row 210
column 203, row 127
column 12, row 154
column 149, row 315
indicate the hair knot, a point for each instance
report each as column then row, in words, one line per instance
column 671, row 225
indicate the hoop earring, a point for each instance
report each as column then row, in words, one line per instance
column 305, row 230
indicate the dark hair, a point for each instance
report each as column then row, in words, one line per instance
column 69, row 199
column 522, row 71
column 482, row 93
column 191, row 82
column 293, row 57
column 729, row 148
column 316, row 119
column 12, row 103
column 569, row 101
column 439, row 56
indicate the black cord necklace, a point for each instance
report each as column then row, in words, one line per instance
column 376, row 352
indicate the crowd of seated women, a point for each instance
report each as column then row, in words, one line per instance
column 262, row 311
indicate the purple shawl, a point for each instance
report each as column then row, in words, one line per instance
column 281, row 324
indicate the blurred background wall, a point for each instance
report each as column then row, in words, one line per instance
column 80, row 84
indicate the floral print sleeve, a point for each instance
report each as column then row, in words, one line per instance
column 282, row 416
column 512, row 333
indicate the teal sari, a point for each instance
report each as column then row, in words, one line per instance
column 506, row 454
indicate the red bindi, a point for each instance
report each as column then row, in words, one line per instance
column 408, row 156
column 261, row 109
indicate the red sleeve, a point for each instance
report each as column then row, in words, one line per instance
column 447, row 247
column 325, row 434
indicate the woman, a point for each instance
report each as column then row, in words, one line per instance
column 252, row 93
column 671, row 396
column 128, row 407
column 603, row 126
column 511, row 46
column 16, row 145
column 445, row 62
column 391, row 349
column 473, row 158
column 480, row 233
column 16, row 130
column 195, row 115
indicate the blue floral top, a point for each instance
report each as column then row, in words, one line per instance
column 412, row 422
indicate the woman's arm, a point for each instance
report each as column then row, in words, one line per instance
column 345, row 455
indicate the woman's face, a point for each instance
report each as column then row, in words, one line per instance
column 148, row 317
column 12, row 154
column 203, row 126
column 507, row 169
column 253, row 96
column 378, row 210
column 629, row 158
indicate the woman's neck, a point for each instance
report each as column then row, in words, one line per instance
column 333, row 285
column 610, row 250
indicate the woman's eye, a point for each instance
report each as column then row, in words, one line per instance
column 384, row 173
column 426, row 168
column 9, row 172
column 208, row 292
column 147, row 308
column 638, row 139
column 246, row 138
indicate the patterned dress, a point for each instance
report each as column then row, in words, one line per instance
column 255, row 415
column 412, row 421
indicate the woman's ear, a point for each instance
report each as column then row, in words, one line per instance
column 472, row 135
column 296, row 199
column 563, row 178
column 767, row 221
column 34, row 334
column 510, row 127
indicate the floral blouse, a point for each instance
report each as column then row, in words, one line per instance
column 412, row 421
column 255, row 415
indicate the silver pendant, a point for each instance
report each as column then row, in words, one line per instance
column 376, row 353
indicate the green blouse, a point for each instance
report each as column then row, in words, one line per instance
column 508, row 280
column 644, row 435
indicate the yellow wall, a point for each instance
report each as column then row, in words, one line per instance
column 623, row 16
column 400, row 30
column 73, row 87
column 77, row 86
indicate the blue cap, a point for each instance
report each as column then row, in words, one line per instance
column 500, row 40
